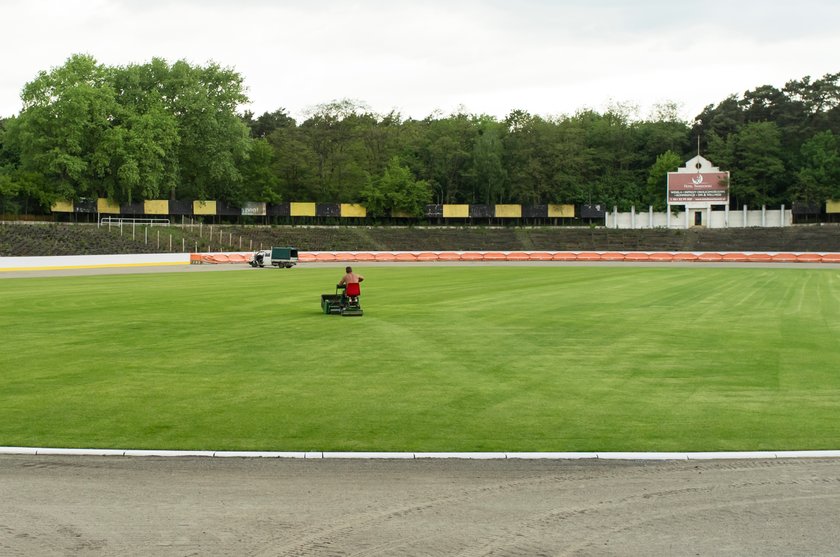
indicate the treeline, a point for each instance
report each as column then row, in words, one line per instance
column 172, row 131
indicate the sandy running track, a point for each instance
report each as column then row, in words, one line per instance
column 53, row 505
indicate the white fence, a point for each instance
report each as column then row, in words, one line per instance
column 768, row 218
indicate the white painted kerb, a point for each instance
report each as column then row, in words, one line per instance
column 319, row 455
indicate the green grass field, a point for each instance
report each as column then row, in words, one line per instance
column 445, row 359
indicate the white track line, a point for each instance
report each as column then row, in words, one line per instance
column 321, row 455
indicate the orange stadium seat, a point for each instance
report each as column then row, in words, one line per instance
column 735, row 257
column 759, row 257
column 809, row 258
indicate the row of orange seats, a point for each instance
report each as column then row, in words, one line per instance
column 351, row 257
column 570, row 256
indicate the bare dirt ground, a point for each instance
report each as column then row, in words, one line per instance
column 56, row 505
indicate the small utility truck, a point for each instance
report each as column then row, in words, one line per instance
column 282, row 258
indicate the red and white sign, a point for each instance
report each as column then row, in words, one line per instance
column 698, row 187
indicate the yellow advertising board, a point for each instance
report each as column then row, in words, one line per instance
column 456, row 211
column 302, row 209
column 353, row 210
column 509, row 211
column 156, row 207
column 564, row 211
column 832, row 206
column 62, row 207
column 107, row 206
column 204, row 207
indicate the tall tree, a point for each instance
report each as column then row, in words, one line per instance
column 397, row 190
column 214, row 140
column 487, row 171
column 656, row 193
column 819, row 178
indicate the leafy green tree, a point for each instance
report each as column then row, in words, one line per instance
column 295, row 164
column 266, row 124
column 396, row 190
column 135, row 132
column 487, row 171
column 445, row 151
column 819, row 178
column 656, row 183
column 334, row 132
column 760, row 176
column 213, row 139
column 260, row 179
column 63, row 130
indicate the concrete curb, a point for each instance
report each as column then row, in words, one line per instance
column 326, row 455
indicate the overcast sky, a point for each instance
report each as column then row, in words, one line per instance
column 488, row 56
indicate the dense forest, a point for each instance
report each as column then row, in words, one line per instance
column 174, row 131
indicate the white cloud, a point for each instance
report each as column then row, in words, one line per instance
column 548, row 57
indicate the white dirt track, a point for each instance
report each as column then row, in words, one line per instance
column 65, row 505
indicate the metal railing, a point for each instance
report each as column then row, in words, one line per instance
column 120, row 221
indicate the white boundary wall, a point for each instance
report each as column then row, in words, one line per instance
column 767, row 218
column 94, row 261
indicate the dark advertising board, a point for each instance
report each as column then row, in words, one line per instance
column 593, row 211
